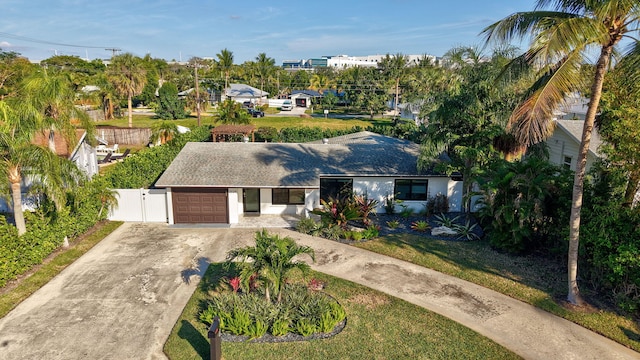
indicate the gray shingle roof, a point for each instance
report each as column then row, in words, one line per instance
column 290, row 165
column 245, row 91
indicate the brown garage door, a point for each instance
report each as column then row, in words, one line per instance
column 199, row 206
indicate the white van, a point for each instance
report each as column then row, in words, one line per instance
column 287, row 106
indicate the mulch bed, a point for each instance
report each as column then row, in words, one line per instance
column 404, row 225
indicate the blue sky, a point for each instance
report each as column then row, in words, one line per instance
column 284, row 30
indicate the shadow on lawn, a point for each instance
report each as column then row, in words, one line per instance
column 540, row 273
column 199, row 343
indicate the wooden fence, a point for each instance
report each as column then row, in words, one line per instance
column 124, row 136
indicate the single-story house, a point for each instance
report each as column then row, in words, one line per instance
column 219, row 182
column 243, row 92
column 564, row 144
column 304, row 98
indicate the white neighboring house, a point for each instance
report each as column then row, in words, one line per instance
column 564, row 144
column 82, row 154
column 217, row 183
column 241, row 93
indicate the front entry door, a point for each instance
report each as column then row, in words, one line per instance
column 251, row 201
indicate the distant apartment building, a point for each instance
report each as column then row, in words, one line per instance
column 345, row 61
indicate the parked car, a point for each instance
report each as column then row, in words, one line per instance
column 255, row 113
column 287, row 105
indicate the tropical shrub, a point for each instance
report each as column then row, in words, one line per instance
column 302, row 310
column 445, row 220
column 525, row 204
column 420, row 225
column 338, row 211
column 611, row 252
column 466, row 231
column 371, row 232
column 48, row 227
column 307, row 226
column 266, row 134
column 365, row 207
column 390, row 205
column 393, row 224
column 306, row 134
column 437, row 204
column 272, row 261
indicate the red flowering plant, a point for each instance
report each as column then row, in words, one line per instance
column 234, row 282
column 338, row 211
column 315, row 284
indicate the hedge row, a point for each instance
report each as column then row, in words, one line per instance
column 46, row 230
column 143, row 169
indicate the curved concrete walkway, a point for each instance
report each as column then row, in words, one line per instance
column 121, row 299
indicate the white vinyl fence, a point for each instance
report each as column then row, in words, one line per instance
column 141, row 205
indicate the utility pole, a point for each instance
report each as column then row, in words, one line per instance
column 114, row 51
column 195, row 70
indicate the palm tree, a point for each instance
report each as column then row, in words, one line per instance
column 395, row 68
column 53, row 97
column 128, row 77
column 20, row 158
column 563, row 33
column 272, row 259
column 264, row 68
column 163, row 131
column 232, row 112
column 323, row 80
column 225, row 62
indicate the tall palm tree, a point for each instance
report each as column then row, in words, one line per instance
column 53, row 97
column 563, row 33
column 225, row 63
column 264, row 67
column 395, row 69
column 128, row 77
column 20, row 158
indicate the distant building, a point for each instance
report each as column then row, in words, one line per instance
column 346, row 61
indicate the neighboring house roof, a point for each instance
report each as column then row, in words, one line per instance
column 291, row 165
column 573, row 128
column 309, row 93
column 90, row 88
column 244, row 91
column 186, row 92
column 62, row 146
column 574, row 106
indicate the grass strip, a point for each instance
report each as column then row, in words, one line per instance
column 378, row 327
column 10, row 298
column 535, row 280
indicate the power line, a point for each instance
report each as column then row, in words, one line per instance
column 24, row 38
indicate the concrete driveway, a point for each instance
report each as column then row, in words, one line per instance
column 122, row 298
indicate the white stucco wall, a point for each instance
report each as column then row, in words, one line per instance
column 380, row 188
column 234, row 199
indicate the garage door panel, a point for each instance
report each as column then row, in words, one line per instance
column 192, row 206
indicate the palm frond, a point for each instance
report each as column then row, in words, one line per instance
column 531, row 121
column 520, row 25
column 630, row 63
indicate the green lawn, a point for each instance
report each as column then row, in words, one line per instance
column 378, row 327
column 534, row 280
column 279, row 122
